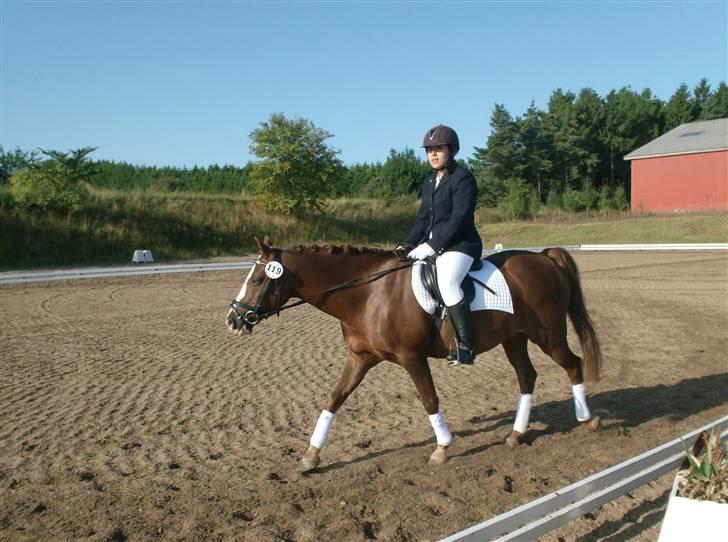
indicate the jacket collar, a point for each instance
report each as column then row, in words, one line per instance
column 451, row 167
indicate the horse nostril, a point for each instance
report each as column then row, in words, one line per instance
column 230, row 324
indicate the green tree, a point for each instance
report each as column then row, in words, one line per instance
column 716, row 105
column 631, row 121
column 701, row 93
column 503, row 154
column 680, row 108
column 12, row 161
column 58, row 182
column 297, row 168
column 590, row 124
column 403, row 173
column 356, row 178
column 537, row 148
column 491, row 189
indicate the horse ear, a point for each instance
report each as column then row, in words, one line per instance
column 263, row 248
column 268, row 241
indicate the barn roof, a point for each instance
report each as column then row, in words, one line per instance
column 693, row 137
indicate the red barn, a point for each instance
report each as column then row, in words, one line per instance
column 685, row 169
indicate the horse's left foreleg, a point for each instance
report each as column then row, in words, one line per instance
column 419, row 371
column 357, row 365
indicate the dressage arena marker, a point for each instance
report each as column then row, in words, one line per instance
column 142, row 256
column 105, row 272
column 555, row 509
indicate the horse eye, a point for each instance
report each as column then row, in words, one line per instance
column 256, row 282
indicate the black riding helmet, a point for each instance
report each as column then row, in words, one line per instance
column 442, row 135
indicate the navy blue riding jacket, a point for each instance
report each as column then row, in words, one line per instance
column 448, row 212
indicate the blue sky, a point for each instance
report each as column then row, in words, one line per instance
column 184, row 83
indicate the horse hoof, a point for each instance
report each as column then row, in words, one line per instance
column 439, row 456
column 513, row 440
column 592, row 424
column 310, row 459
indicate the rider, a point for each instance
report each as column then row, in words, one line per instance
column 445, row 228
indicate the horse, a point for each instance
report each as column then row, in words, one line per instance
column 369, row 292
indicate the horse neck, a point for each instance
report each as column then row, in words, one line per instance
column 318, row 271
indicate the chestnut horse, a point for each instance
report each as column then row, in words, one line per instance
column 369, row 291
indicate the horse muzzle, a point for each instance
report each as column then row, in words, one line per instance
column 241, row 324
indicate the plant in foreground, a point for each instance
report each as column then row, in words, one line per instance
column 707, row 478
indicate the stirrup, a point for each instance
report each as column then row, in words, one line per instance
column 463, row 356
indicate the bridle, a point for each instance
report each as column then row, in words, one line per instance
column 252, row 314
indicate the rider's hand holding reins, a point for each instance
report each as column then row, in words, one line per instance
column 421, row 252
column 402, row 250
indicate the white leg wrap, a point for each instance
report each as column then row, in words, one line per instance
column 321, row 433
column 580, row 406
column 442, row 431
column 523, row 412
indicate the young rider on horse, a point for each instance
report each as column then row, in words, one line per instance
column 445, row 228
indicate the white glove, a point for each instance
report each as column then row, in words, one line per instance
column 421, row 252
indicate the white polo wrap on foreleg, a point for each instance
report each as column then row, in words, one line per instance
column 321, row 433
column 523, row 412
column 580, row 406
column 442, row 431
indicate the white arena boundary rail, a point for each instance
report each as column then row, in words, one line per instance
column 555, row 509
column 156, row 269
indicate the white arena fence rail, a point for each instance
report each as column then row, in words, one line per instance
column 555, row 509
column 106, row 272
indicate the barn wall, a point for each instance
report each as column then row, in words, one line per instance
column 693, row 182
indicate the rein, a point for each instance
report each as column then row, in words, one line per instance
column 252, row 314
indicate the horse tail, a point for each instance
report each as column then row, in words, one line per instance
column 579, row 316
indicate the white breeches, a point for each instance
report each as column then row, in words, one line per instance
column 451, row 270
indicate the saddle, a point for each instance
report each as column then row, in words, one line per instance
column 429, row 279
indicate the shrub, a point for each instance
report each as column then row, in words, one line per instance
column 553, row 200
column 55, row 183
column 707, row 478
column 606, row 200
column 515, row 204
column 572, row 200
column 589, row 196
column 620, row 199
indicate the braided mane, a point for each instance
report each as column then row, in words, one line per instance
column 339, row 249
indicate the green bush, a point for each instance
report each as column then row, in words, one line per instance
column 572, row 200
column 589, row 196
column 515, row 204
column 56, row 183
column 606, row 199
column 534, row 203
column 39, row 187
column 620, row 199
column 553, row 200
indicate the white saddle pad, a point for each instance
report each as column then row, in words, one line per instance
column 484, row 300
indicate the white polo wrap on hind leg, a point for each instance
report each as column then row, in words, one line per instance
column 523, row 412
column 580, row 406
column 442, row 431
column 321, row 433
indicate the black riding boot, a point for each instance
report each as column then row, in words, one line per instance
column 460, row 318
